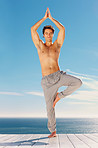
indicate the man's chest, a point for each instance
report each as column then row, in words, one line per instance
column 49, row 51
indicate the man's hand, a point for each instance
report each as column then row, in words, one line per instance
column 47, row 14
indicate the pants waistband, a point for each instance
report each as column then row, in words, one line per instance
column 52, row 74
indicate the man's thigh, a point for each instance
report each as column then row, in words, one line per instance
column 66, row 79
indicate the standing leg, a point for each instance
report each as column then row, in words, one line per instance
column 50, row 88
column 50, row 94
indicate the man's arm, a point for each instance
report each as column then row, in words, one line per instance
column 36, row 26
column 34, row 34
column 61, row 34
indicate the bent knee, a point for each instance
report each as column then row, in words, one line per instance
column 79, row 82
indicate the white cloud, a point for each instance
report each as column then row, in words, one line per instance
column 35, row 93
column 90, row 86
column 85, row 95
column 82, row 103
column 11, row 93
column 89, row 77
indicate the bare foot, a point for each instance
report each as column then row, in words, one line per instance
column 53, row 134
column 56, row 100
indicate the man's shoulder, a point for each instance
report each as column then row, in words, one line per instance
column 41, row 43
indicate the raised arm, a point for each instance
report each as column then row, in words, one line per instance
column 34, row 34
column 61, row 34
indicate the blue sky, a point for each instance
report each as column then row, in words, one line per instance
column 21, row 94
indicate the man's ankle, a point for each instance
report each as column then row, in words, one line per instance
column 54, row 132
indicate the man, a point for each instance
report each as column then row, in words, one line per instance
column 52, row 77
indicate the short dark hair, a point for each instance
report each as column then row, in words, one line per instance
column 48, row 27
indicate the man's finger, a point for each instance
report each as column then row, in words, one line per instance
column 48, row 9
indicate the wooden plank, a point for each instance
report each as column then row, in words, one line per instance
column 6, row 137
column 27, row 142
column 64, row 141
column 87, row 140
column 92, row 137
column 21, row 140
column 2, row 135
column 95, row 135
column 41, row 141
column 53, row 142
column 11, row 141
column 76, row 142
column 3, row 141
column 18, row 141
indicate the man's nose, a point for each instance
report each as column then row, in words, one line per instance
column 48, row 35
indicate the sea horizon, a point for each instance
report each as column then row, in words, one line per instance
column 47, row 118
column 35, row 125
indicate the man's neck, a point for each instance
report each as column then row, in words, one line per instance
column 48, row 43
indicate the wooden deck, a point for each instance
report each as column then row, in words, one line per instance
column 42, row 141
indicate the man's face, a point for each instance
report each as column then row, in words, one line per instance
column 48, row 34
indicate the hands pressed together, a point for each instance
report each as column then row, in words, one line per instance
column 47, row 14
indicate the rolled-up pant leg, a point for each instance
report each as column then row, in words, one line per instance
column 71, row 82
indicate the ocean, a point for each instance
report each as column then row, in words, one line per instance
column 39, row 125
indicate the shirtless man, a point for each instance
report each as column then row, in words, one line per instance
column 52, row 77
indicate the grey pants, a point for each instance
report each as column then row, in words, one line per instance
column 50, row 84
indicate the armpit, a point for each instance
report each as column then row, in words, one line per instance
column 58, row 45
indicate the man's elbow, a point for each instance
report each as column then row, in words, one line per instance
column 33, row 29
column 63, row 28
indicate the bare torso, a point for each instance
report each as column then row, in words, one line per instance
column 48, row 56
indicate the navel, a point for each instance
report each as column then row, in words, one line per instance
column 42, row 51
column 50, row 67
